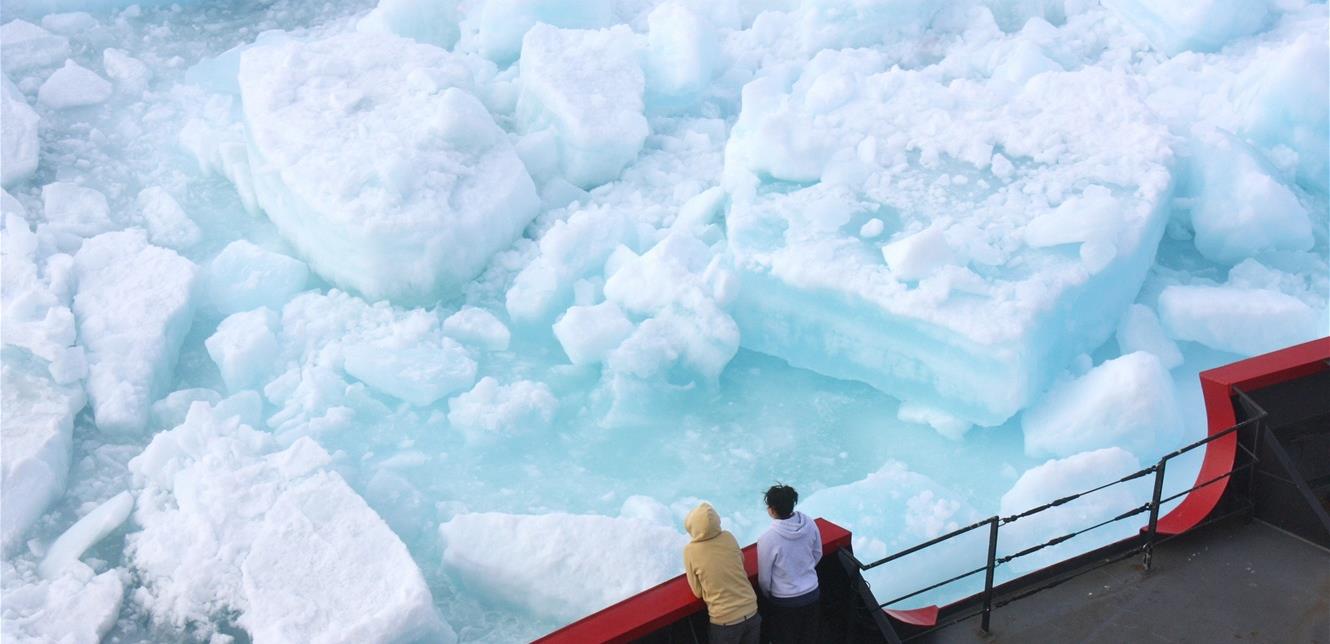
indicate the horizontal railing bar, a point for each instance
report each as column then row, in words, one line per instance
column 1067, row 499
column 1066, row 537
column 1209, row 482
column 934, row 586
column 934, row 541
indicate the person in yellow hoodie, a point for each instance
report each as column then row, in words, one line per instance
column 714, row 566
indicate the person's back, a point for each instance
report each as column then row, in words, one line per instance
column 787, row 556
column 714, row 567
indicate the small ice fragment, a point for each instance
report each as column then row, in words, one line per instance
column 85, row 533
column 72, row 209
column 477, row 326
column 491, row 409
column 19, row 145
column 24, row 45
column 420, row 374
column 945, row 424
column 872, row 228
column 73, row 86
column 245, row 347
column 130, row 73
column 168, row 225
column 919, row 255
column 244, row 276
column 589, row 333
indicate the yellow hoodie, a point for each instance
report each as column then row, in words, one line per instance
column 715, row 568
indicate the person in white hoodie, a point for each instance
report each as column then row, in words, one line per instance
column 787, row 556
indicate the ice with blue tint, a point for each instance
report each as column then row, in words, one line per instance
column 424, row 320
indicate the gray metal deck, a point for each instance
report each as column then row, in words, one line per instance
column 1232, row 582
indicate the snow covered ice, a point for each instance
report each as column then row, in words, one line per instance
column 401, row 320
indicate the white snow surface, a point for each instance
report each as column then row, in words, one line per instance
column 233, row 522
column 134, row 305
column 19, row 146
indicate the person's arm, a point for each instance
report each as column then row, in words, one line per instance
column 817, row 546
column 694, row 583
column 766, row 555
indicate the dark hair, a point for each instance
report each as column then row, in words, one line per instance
column 781, row 498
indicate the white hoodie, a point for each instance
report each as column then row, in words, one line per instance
column 787, row 555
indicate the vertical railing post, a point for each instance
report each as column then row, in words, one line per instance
column 1154, row 512
column 1255, row 459
column 988, row 573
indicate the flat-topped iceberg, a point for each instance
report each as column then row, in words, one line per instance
column 1013, row 233
column 375, row 160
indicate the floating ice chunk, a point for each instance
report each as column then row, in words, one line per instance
column 134, row 306
column 587, row 85
column 919, row 255
column 232, row 524
column 76, row 607
column 477, row 326
column 1241, row 209
column 1140, row 330
column 570, row 250
column 945, row 424
column 980, row 337
column 36, row 438
column 19, row 147
column 681, row 57
column 244, row 346
column 128, row 72
column 433, row 189
column 69, row 23
column 1245, row 321
column 1091, row 216
column 1058, row 478
column 1126, row 402
column 170, row 411
column 73, row 210
column 1283, row 96
column 689, row 336
column 419, row 374
column 94, row 526
column 73, row 86
column 24, row 45
column 433, row 22
column 611, row 557
column 244, row 276
column 589, row 333
column 503, row 23
column 1201, row 25
column 168, row 225
column 490, row 409
column 872, row 228
column 325, row 567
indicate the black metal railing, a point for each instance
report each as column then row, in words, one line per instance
column 1142, row 546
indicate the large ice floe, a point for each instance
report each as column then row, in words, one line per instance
column 424, row 321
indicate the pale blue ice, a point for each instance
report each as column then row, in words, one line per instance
column 429, row 321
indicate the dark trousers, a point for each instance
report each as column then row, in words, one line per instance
column 745, row 632
column 793, row 625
